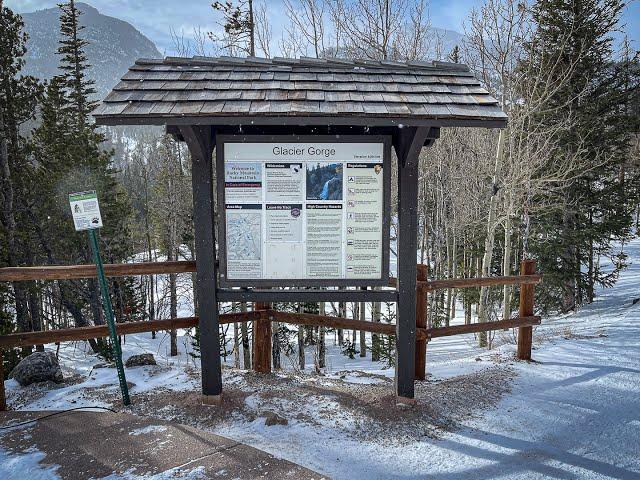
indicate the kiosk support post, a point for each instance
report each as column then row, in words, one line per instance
column 201, row 141
column 408, row 143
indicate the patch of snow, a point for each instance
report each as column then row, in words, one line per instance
column 18, row 466
column 177, row 473
column 148, row 429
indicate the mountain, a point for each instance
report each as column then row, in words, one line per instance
column 448, row 39
column 114, row 45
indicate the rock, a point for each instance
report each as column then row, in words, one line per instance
column 139, row 360
column 104, row 365
column 274, row 419
column 37, row 367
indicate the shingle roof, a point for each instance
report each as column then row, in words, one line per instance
column 158, row 90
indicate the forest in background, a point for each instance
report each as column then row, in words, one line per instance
column 559, row 184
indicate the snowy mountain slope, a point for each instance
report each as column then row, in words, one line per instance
column 114, row 45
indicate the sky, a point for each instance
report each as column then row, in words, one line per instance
column 156, row 18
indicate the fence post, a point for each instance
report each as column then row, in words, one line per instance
column 261, row 341
column 527, row 294
column 421, row 322
column 3, row 398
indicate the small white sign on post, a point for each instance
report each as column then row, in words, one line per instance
column 85, row 210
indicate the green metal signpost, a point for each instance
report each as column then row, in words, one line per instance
column 86, row 216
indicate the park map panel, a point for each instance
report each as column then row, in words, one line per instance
column 304, row 211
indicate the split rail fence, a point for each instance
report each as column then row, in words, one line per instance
column 263, row 314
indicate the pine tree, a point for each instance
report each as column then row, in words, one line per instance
column 594, row 210
column 19, row 95
column 74, row 64
column 454, row 56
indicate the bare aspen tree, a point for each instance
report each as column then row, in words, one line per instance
column 370, row 27
column 263, row 31
column 292, row 43
column 495, row 34
column 238, row 24
column 307, row 18
column 417, row 39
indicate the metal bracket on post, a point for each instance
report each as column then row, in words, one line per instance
column 106, row 300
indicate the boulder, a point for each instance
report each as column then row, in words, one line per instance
column 37, row 367
column 274, row 419
column 139, row 360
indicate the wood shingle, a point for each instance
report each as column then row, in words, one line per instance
column 156, row 90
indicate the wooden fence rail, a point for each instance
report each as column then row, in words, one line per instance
column 264, row 315
column 430, row 285
column 28, row 339
column 72, row 272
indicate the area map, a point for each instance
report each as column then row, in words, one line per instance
column 244, row 236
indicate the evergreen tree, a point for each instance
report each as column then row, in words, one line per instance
column 74, row 64
column 454, row 56
column 594, row 211
column 70, row 158
column 19, row 95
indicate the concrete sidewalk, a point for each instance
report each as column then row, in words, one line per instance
column 91, row 444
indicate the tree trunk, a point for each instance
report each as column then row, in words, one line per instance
column 244, row 333
column 275, row 345
column 506, row 268
column 173, row 303
column 301, row 359
column 342, row 312
column 591, row 270
column 9, row 221
column 322, row 348
column 236, row 340
column 568, row 255
column 451, row 262
column 490, row 238
column 363, row 338
column 375, row 338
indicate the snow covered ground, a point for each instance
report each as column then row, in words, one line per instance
column 573, row 413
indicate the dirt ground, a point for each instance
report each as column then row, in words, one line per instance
column 358, row 404
column 359, row 410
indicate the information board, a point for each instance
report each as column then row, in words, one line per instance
column 306, row 212
column 85, row 210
